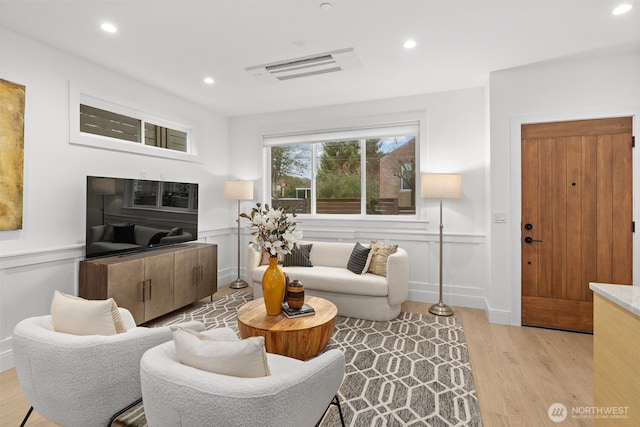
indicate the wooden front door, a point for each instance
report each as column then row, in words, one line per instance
column 577, row 220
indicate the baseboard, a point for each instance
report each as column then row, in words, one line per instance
column 6, row 355
column 502, row 317
column 470, row 301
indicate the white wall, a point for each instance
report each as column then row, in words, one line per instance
column 44, row 255
column 605, row 86
column 453, row 139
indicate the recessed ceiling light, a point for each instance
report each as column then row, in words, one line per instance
column 623, row 8
column 208, row 80
column 409, row 44
column 109, row 27
column 326, row 7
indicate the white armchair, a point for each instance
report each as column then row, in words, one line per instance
column 82, row 380
column 296, row 393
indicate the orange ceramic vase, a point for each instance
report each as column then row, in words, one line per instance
column 273, row 286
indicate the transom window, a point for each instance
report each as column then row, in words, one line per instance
column 326, row 174
column 109, row 124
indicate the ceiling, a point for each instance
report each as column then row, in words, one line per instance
column 173, row 45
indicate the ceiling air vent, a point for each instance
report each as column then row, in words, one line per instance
column 322, row 63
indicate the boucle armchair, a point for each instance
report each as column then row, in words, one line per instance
column 82, row 380
column 296, row 393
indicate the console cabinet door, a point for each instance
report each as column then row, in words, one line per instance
column 158, row 271
column 208, row 263
column 152, row 284
column 186, row 274
column 126, row 285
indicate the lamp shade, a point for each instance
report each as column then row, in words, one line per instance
column 238, row 190
column 103, row 185
column 441, row 186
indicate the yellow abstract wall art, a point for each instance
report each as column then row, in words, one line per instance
column 12, row 102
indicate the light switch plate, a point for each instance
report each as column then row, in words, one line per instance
column 499, row 217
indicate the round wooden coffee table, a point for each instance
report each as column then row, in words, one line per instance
column 301, row 338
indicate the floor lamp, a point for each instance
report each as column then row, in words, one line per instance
column 104, row 187
column 238, row 190
column 441, row 186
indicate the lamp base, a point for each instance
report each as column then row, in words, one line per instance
column 238, row 284
column 441, row 309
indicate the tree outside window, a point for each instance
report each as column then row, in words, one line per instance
column 327, row 177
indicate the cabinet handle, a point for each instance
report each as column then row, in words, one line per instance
column 142, row 290
column 149, row 289
column 194, row 279
column 201, row 273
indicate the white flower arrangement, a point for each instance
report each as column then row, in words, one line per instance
column 275, row 231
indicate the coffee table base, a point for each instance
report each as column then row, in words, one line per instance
column 301, row 338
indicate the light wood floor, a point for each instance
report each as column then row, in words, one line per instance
column 518, row 372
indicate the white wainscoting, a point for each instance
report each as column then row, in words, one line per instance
column 28, row 279
column 465, row 278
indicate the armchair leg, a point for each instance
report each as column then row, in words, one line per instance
column 26, row 417
column 122, row 411
column 334, row 401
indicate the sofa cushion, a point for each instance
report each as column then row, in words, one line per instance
column 332, row 279
column 358, row 259
column 299, row 257
column 79, row 316
column 379, row 254
column 239, row 358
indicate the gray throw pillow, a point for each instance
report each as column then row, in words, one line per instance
column 299, row 257
column 358, row 259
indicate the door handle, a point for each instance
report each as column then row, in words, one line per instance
column 530, row 239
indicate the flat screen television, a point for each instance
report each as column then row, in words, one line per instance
column 128, row 215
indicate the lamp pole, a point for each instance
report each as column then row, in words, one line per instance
column 441, row 186
column 238, row 190
column 441, row 309
column 238, row 283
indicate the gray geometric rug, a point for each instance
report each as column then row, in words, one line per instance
column 411, row 371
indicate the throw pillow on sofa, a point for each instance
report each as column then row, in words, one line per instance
column 156, row 238
column 108, row 233
column 175, row 231
column 265, row 258
column 124, row 234
column 358, row 259
column 245, row 358
column 299, row 257
column 79, row 316
column 379, row 254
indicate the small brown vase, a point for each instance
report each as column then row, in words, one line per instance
column 295, row 295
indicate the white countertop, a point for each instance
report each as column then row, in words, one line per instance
column 627, row 297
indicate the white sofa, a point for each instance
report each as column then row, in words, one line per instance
column 366, row 296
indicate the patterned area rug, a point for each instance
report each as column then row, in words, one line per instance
column 411, row 371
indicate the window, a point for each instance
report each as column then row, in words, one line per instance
column 326, row 174
column 101, row 122
column 154, row 194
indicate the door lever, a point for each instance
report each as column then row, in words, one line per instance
column 530, row 239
